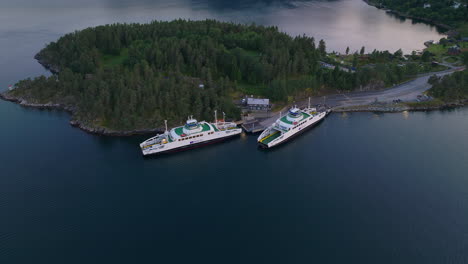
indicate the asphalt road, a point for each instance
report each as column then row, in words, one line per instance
column 406, row 92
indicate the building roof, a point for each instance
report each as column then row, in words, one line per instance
column 257, row 101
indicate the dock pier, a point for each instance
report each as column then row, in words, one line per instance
column 253, row 126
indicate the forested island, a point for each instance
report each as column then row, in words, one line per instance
column 132, row 77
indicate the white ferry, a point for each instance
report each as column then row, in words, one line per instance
column 193, row 134
column 290, row 125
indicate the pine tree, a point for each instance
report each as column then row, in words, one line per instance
column 322, row 48
column 363, row 50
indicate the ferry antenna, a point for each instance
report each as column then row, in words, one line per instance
column 216, row 116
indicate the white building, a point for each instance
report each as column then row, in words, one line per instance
column 258, row 103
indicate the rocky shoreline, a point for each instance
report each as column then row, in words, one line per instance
column 379, row 107
column 49, row 66
column 395, row 108
column 76, row 123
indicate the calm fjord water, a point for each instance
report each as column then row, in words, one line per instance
column 359, row 188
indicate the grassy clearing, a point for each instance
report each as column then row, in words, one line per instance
column 431, row 103
column 251, row 89
column 451, row 59
column 428, row 67
column 463, row 45
column 251, row 53
column 438, row 50
column 114, row 60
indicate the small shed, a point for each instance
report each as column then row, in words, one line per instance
column 258, row 103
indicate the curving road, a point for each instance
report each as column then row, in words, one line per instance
column 407, row 91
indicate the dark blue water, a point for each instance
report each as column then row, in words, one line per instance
column 359, row 188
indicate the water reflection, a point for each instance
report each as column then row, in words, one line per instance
column 405, row 115
column 243, row 136
column 243, row 4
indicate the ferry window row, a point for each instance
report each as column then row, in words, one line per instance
column 209, row 133
column 299, row 124
column 181, row 139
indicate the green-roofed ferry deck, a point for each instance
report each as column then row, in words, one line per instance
column 192, row 134
column 285, row 118
column 205, row 127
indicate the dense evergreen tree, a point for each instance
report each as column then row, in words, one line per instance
column 322, row 48
column 465, row 58
column 449, row 88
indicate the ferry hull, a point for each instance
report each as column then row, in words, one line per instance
column 264, row 146
column 193, row 146
column 288, row 133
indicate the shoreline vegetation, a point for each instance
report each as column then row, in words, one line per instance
column 120, row 79
column 76, row 123
column 377, row 107
column 408, row 16
column 402, row 107
column 451, row 16
column 452, row 90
